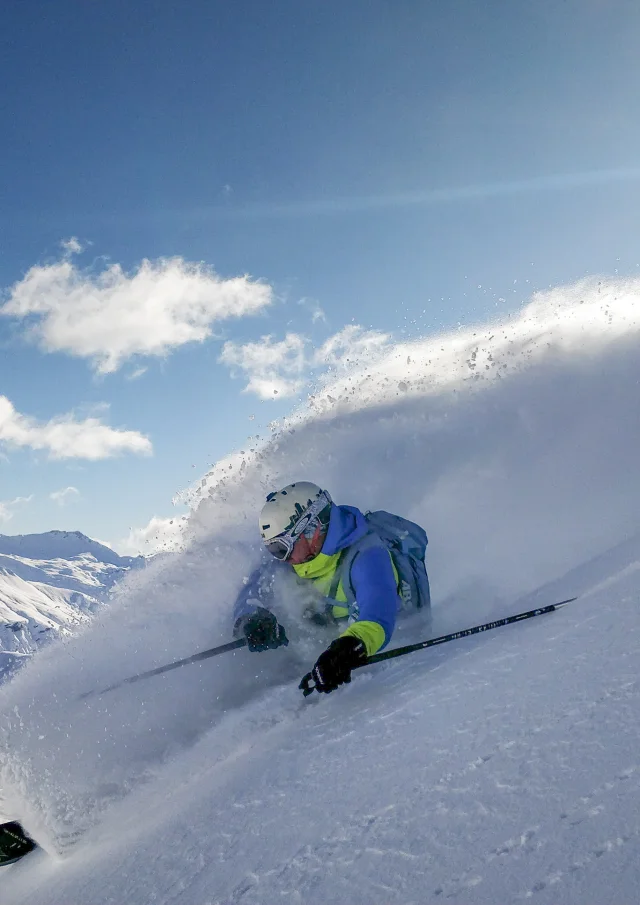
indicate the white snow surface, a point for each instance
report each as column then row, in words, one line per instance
column 49, row 584
column 503, row 767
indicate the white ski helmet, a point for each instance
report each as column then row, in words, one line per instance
column 285, row 507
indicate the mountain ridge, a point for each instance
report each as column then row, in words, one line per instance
column 60, row 544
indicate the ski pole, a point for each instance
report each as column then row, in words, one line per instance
column 307, row 686
column 203, row 655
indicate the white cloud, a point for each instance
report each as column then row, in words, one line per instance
column 72, row 246
column 272, row 386
column 61, row 496
column 159, row 535
column 7, row 506
column 274, row 368
column 277, row 369
column 110, row 316
column 64, row 437
column 349, row 346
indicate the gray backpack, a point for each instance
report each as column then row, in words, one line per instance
column 407, row 544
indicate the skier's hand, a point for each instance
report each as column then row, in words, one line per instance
column 334, row 666
column 262, row 631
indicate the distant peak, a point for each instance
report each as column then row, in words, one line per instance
column 58, row 544
column 77, row 534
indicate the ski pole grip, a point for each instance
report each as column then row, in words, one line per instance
column 307, row 685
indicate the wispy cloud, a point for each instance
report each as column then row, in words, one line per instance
column 278, row 369
column 432, row 196
column 316, row 311
column 111, row 316
column 62, row 496
column 138, row 372
column 7, row 507
column 64, row 437
column 72, row 246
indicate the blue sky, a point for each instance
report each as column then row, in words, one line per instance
column 394, row 166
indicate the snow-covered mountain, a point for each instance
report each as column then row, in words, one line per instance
column 63, row 545
column 503, row 767
column 50, row 583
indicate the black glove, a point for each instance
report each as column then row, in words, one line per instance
column 334, row 666
column 262, row 631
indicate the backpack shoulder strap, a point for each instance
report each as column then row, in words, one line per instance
column 337, row 575
column 346, row 561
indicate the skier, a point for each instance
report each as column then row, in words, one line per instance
column 367, row 567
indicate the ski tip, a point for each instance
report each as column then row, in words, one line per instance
column 14, row 843
column 564, row 602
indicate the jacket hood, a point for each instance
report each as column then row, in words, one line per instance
column 346, row 525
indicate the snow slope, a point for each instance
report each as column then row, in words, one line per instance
column 29, row 612
column 502, row 767
column 49, row 584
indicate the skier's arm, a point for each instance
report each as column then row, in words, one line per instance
column 375, row 585
column 252, row 617
column 257, row 592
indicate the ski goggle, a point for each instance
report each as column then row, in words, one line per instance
column 281, row 547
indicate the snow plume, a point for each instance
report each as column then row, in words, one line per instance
column 110, row 316
column 514, row 444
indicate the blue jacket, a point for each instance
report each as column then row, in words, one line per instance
column 373, row 580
